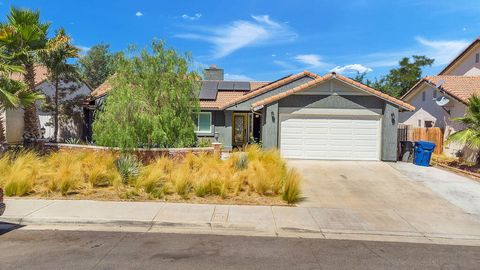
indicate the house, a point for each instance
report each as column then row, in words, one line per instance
column 305, row 115
column 69, row 127
column 441, row 98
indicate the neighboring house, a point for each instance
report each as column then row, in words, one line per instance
column 455, row 84
column 305, row 115
column 69, row 127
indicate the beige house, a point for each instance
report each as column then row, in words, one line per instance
column 73, row 127
column 438, row 99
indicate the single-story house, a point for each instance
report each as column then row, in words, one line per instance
column 69, row 127
column 305, row 115
column 441, row 98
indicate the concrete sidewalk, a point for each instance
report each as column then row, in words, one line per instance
column 311, row 222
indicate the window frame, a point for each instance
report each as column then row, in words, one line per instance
column 197, row 131
column 424, row 96
column 477, row 57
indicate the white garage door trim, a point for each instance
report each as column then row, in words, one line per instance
column 315, row 137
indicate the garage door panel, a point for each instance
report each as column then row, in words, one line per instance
column 315, row 137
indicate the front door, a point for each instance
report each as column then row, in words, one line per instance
column 239, row 129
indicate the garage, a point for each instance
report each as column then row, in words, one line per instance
column 329, row 137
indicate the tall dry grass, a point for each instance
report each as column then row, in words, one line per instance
column 250, row 171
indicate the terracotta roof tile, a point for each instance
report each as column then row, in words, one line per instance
column 223, row 97
column 459, row 87
column 41, row 74
column 340, row 77
column 271, row 86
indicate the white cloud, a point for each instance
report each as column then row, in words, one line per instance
column 196, row 16
column 443, row 51
column 239, row 34
column 237, row 77
column 353, row 68
column 312, row 60
column 139, row 14
column 283, row 64
column 83, row 49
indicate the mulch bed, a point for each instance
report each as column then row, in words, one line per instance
column 472, row 170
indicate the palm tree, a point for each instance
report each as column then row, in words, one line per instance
column 470, row 136
column 23, row 36
column 12, row 93
column 58, row 50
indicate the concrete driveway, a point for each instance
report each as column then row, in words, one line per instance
column 389, row 197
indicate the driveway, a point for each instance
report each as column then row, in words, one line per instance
column 379, row 196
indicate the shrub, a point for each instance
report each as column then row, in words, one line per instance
column 291, row 186
column 19, row 180
column 128, row 167
column 204, row 142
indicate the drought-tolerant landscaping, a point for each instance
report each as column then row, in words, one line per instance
column 253, row 176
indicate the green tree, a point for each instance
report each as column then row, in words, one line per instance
column 23, row 36
column 13, row 93
column 61, row 74
column 470, row 136
column 97, row 65
column 398, row 80
column 153, row 101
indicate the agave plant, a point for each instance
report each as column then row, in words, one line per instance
column 128, row 167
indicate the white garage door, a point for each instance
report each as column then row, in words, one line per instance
column 313, row 137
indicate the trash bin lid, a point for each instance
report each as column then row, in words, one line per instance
column 425, row 145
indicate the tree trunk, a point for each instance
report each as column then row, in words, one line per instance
column 3, row 139
column 30, row 117
column 55, row 132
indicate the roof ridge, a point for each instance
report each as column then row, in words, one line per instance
column 340, row 77
column 271, row 86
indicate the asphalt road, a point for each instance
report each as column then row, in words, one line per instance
column 29, row 249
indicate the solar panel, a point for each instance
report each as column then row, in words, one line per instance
column 209, row 90
column 224, row 85
column 242, row 86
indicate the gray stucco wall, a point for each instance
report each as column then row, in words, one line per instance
column 389, row 132
column 332, row 101
column 221, row 124
column 270, row 126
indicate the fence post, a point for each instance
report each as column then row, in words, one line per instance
column 217, row 149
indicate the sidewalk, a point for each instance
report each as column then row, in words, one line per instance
column 308, row 222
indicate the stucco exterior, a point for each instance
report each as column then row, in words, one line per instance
column 467, row 66
column 68, row 128
column 333, row 97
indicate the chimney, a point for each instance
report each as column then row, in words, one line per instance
column 213, row 73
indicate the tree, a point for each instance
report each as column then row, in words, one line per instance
column 97, row 65
column 152, row 103
column 13, row 93
column 61, row 74
column 23, row 36
column 470, row 136
column 399, row 80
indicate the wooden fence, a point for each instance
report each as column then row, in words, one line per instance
column 434, row 134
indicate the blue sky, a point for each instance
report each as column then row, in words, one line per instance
column 265, row 40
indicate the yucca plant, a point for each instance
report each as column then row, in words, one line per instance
column 128, row 167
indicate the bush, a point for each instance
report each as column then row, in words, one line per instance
column 19, row 178
column 291, row 187
column 128, row 167
column 204, row 142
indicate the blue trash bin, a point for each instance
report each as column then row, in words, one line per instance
column 423, row 152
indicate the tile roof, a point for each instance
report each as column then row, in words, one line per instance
column 41, row 74
column 459, row 87
column 270, row 86
column 340, row 77
column 223, row 97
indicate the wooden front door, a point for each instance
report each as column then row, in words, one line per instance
column 239, row 129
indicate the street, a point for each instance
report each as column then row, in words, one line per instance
column 31, row 249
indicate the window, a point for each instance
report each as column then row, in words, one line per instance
column 428, row 124
column 419, row 123
column 204, row 122
column 424, row 96
column 477, row 57
column 434, row 93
